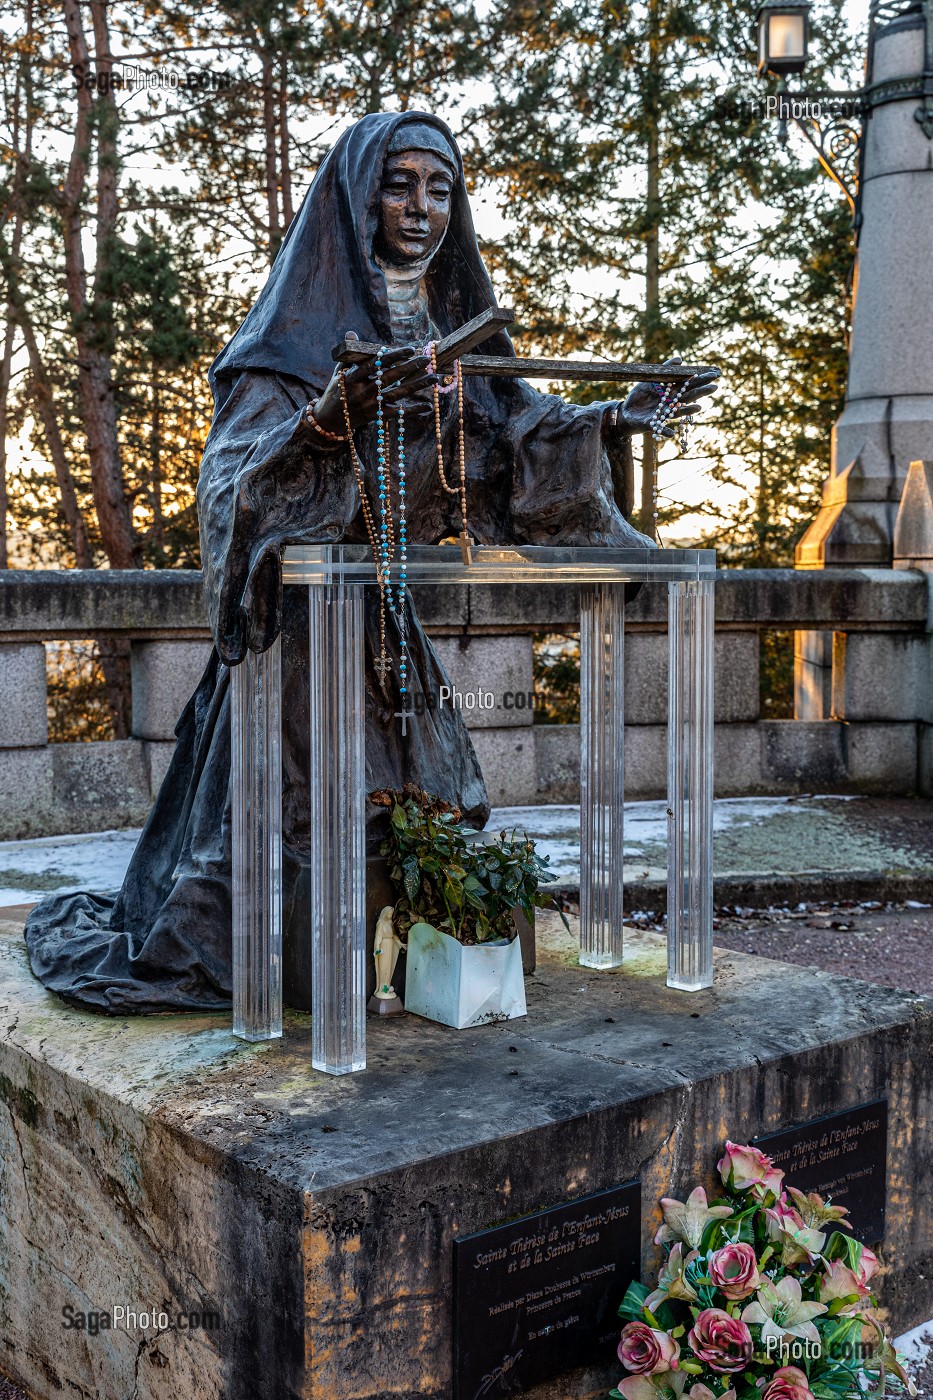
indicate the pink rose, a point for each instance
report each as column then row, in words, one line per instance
column 840, row 1282
column 724, row 1343
column 734, row 1269
column 646, row 1351
column 784, row 1216
column 868, row 1265
column 743, row 1167
column 782, row 1219
column 789, row 1383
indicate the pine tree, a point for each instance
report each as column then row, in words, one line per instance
column 625, row 145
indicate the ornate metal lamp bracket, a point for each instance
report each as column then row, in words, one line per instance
column 836, row 140
column 835, row 134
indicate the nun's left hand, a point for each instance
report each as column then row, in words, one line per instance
column 639, row 408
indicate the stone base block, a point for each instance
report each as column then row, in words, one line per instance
column 293, row 1233
column 802, row 755
column 100, row 785
column 507, row 758
column 26, row 801
column 645, row 761
column 158, row 756
column 736, row 759
column 925, row 760
column 882, row 757
column 557, row 755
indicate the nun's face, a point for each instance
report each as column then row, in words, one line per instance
column 414, row 205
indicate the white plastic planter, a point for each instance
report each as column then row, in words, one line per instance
column 462, row 986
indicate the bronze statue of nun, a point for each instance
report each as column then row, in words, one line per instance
column 382, row 247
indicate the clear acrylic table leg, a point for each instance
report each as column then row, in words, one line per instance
column 602, row 635
column 690, row 787
column 338, row 829
column 256, row 801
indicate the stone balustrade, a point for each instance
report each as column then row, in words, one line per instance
column 878, row 738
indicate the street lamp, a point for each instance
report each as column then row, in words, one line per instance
column 831, row 121
column 783, row 36
column 834, row 122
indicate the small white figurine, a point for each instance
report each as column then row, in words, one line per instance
column 386, row 948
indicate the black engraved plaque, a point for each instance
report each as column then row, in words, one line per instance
column 539, row 1296
column 843, row 1156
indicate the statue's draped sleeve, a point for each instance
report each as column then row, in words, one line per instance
column 564, row 469
column 262, row 482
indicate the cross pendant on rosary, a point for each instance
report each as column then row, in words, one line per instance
column 404, row 715
column 466, row 543
column 383, row 666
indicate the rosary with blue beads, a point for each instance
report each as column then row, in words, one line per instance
column 382, row 541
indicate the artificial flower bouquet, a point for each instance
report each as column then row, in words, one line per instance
column 761, row 1296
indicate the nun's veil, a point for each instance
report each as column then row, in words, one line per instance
column 325, row 280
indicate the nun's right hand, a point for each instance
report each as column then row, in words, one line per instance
column 406, row 374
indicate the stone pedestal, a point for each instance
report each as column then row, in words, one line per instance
column 297, row 1229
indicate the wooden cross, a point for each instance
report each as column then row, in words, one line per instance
column 456, row 345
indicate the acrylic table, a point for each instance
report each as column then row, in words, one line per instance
column 335, row 577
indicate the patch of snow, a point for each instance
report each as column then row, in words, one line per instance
column 915, row 1345
column 97, row 860
column 556, row 830
column 92, row 861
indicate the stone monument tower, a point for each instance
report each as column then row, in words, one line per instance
column 887, row 421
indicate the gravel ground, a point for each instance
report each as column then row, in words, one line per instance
column 892, row 945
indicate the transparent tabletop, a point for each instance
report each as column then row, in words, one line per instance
column 335, row 577
column 443, row 563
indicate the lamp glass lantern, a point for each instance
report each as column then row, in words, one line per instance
column 783, row 37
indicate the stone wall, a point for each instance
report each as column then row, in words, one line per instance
column 877, row 677
column 876, row 740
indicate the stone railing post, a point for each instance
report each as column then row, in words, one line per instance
column 164, row 675
column 913, row 549
column 25, row 762
column 813, row 675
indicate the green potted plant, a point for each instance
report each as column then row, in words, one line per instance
column 456, row 895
